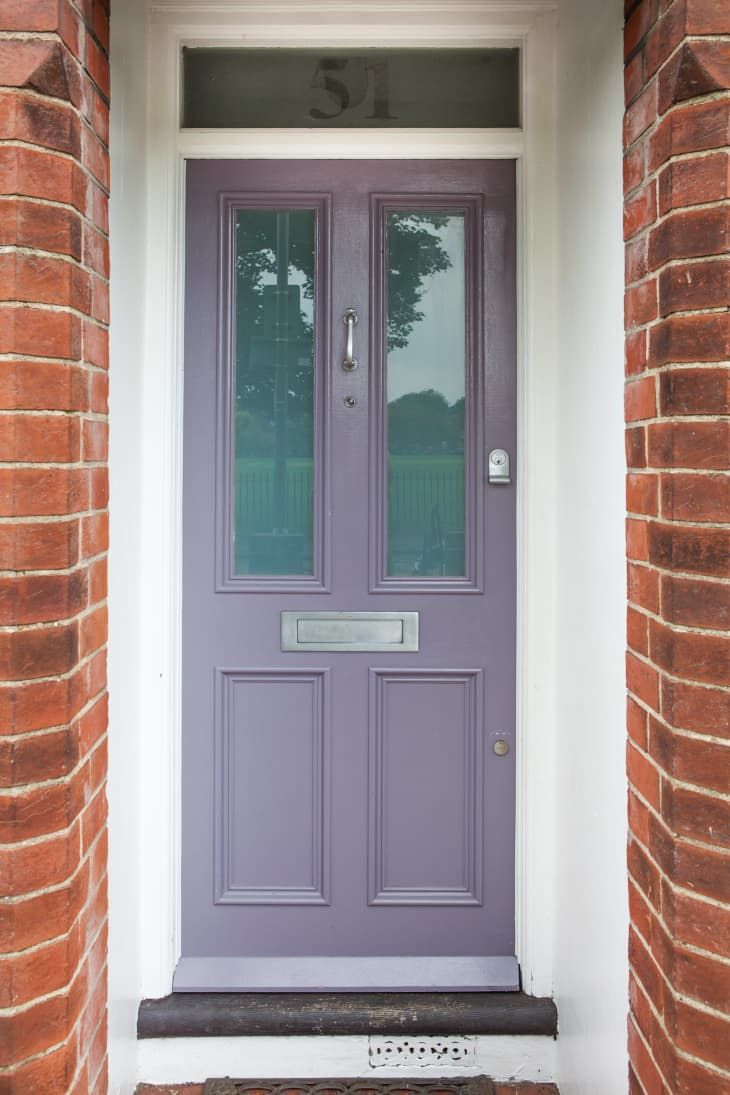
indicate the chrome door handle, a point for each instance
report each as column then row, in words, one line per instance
column 350, row 318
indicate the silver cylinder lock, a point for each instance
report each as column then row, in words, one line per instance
column 498, row 469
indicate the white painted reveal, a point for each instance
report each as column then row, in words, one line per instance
column 146, row 379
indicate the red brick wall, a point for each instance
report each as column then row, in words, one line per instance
column 54, row 266
column 677, row 183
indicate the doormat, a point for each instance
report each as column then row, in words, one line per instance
column 471, row 1085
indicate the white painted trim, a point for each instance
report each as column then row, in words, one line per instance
column 184, row 1060
column 153, row 516
column 355, row 144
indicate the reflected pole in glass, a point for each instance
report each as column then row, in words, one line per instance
column 274, row 392
column 281, row 383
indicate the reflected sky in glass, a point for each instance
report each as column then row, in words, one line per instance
column 426, row 385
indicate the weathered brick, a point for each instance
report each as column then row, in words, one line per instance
column 38, row 652
column 640, row 210
column 694, row 234
column 689, row 759
column 703, row 1035
column 38, row 64
column 708, row 17
column 695, row 127
column 48, row 546
column 43, row 491
column 698, row 68
column 705, row 818
column 636, row 259
column 49, row 124
column 643, row 681
column 53, row 712
column 692, row 656
column 701, row 710
column 41, row 598
column 696, row 498
column 640, row 399
column 690, row 548
column 696, row 603
column 636, row 447
column 641, row 304
column 694, row 181
column 695, row 391
column 643, row 586
column 635, row 353
column 642, row 494
column 665, row 37
column 683, row 444
column 39, row 332
column 49, row 228
column 694, row 285
column 638, row 25
column 39, row 439
column 640, row 115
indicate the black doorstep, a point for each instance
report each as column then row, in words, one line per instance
column 225, row 1014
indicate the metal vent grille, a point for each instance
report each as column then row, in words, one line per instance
column 420, row 1051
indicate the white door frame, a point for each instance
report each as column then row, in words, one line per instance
column 145, row 650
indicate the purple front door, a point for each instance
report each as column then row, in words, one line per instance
column 349, row 577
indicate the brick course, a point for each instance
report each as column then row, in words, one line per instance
column 676, row 175
column 53, row 538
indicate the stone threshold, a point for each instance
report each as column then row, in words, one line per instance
column 232, row 1014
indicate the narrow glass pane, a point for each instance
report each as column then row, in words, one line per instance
column 367, row 88
column 426, row 370
column 274, row 384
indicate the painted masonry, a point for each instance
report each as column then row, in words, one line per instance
column 54, row 269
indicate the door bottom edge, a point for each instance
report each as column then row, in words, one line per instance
column 497, row 973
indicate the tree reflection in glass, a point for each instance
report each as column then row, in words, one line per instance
column 426, row 369
column 274, row 384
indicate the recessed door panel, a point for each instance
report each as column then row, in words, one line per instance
column 426, row 788
column 272, row 747
column 348, row 577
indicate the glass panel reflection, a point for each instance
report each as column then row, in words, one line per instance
column 274, row 384
column 426, row 369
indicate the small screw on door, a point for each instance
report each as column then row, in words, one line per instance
column 501, row 748
column 349, row 401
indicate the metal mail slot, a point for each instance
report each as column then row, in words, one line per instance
column 394, row 631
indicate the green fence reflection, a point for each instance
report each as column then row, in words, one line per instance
column 424, row 491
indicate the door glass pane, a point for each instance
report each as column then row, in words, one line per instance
column 426, row 368
column 273, row 391
column 366, row 88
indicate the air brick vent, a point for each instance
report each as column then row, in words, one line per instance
column 385, row 1052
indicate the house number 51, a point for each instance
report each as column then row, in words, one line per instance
column 331, row 75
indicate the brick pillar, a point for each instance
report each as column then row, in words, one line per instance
column 54, row 266
column 676, row 174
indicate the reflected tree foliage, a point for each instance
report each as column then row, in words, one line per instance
column 415, row 252
column 425, row 422
column 274, row 379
